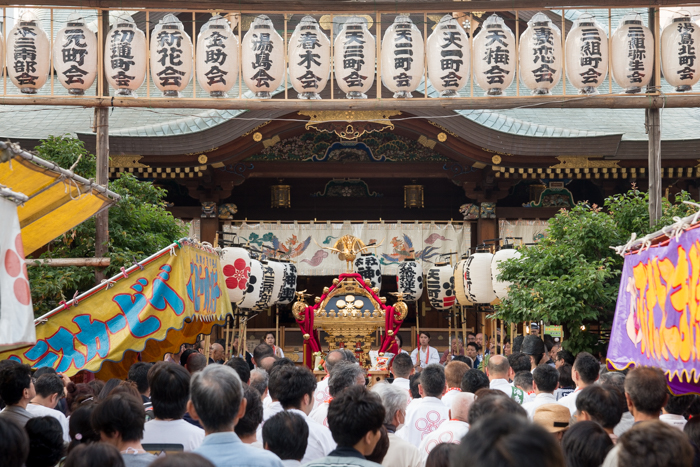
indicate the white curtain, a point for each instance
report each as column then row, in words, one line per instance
column 531, row 231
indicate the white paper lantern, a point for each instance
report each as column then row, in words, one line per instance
column 171, row 56
column 266, row 288
column 309, row 59
column 125, row 56
column 448, row 57
column 367, row 265
column 235, row 264
column 354, row 57
column 75, row 56
column 586, row 55
column 460, row 275
column 500, row 288
column 409, row 280
column 217, row 57
column 262, row 58
column 255, row 280
column 540, row 55
column 440, row 285
column 678, row 53
column 28, row 51
column 494, row 56
column 478, row 278
column 278, row 270
column 632, row 52
column 403, row 57
column 289, row 284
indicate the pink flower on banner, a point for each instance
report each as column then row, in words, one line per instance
column 237, row 274
column 14, row 265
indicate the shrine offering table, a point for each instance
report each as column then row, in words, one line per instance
column 376, row 376
column 319, row 374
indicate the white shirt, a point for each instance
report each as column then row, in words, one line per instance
column 321, row 395
column 449, row 396
column 423, row 416
column 38, row 410
column 504, row 386
column 173, row 432
column 452, row 431
column 320, row 414
column 267, row 400
column 432, row 355
column 625, row 424
column 278, row 351
column 320, row 439
column 540, row 399
column 404, row 383
column 269, row 411
column 291, row 463
column 569, row 401
column 678, row 421
column 401, row 454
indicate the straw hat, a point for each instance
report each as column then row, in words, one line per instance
column 552, row 417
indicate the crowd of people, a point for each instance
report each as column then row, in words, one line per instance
column 466, row 407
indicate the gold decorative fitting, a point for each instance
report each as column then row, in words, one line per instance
column 496, row 159
column 368, row 282
column 381, row 354
column 280, row 196
column 413, row 196
column 583, row 162
column 443, row 129
column 126, row 162
column 326, row 121
column 390, row 332
column 442, row 137
column 326, row 290
column 257, row 137
column 402, row 309
column 307, row 337
column 317, row 299
column 250, row 132
column 375, row 290
column 202, row 159
column 335, row 281
column 427, row 142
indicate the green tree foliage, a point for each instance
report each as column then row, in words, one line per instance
column 139, row 226
column 572, row 276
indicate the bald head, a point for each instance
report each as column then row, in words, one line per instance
column 217, row 352
column 460, row 406
column 498, row 367
column 333, row 357
column 267, row 362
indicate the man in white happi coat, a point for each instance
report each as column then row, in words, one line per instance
column 585, row 372
column 454, row 371
column 499, row 372
column 453, row 430
column 402, row 368
column 545, row 380
column 427, row 414
column 401, row 453
column 345, row 374
column 424, row 355
column 322, row 395
column 273, row 389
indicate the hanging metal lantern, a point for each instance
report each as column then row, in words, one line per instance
column 171, row 56
column 448, row 57
column 75, row 56
column 262, row 58
column 217, row 57
column 235, row 264
column 460, row 274
column 500, row 288
column 354, row 58
column 413, row 196
column 309, row 59
column 367, row 265
column 478, row 283
column 266, row 288
column 586, row 55
column 540, row 55
column 440, row 285
column 255, row 280
column 125, row 56
column 678, row 55
column 281, row 196
column 403, row 57
column 289, row 283
column 494, row 56
column 28, row 52
column 278, row 270
column 409, row 280
column 632, row 49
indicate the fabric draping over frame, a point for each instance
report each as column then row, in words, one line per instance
column 305, row 243
column 531, row 231
column 58, row 199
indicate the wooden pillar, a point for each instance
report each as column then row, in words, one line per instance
column 207, row 229
column 486, row 229
column 653, row 127
column 102, row 172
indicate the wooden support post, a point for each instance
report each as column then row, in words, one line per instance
column 102, row 153
column 653, row 127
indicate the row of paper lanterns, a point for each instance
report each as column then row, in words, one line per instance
column 262, row 57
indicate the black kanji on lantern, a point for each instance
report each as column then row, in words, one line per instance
column 262, row 46
column 403, row 55
column 353, row 56
column 215, row 56
column 121, row 56
column 543, row 53
column 636, row 53
column 686, row 50
column 590, row 55
column 451, row 58
column 25, row 56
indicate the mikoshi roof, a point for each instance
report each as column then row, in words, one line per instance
column 57, row 199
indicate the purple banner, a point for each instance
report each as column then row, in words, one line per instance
column 657, row 317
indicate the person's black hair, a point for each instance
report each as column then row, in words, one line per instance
column 107, row 389
column 261, row 351
column 476, row 346
column 567, row 356
column 413, row 382
column 586, row 444
column 565, row 379
column 519, row 362
column 80, row 427
column 646, row 388
column 678, row 405
column 46, row 446
column 286, row 434
column 344, row 375
column 473, row 380
column 94, row 455
column 43, row 371
column 692, row 429
column 402, row 365
column 588, row 367
column 548, row 342
column 400, row 339
column 182, row 459
column 138, row 373
column 284, row 361
column 495, row 404
column 14, row 379
column 185, row 355
column 523, row 378
column 170, row 390
column 441, row 455
column 432, row 380
column 292, row 384
column 463, row 359
column 654, row 444
column 694, row 409
column 196, row 362
column 602, row 404
column 354, row 413
column 121, row 413
column 546, row 377
column 502, row 441
column 14, row 444
column 381, row 448
column 49, row 384
column 241, row 367
column 269, row 333
column 253, row 416
column 427, row 334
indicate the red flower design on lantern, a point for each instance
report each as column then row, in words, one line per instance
column 237, row 274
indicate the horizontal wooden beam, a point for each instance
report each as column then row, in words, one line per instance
column 361, row 6
column 642, row 101
column 66, row 262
